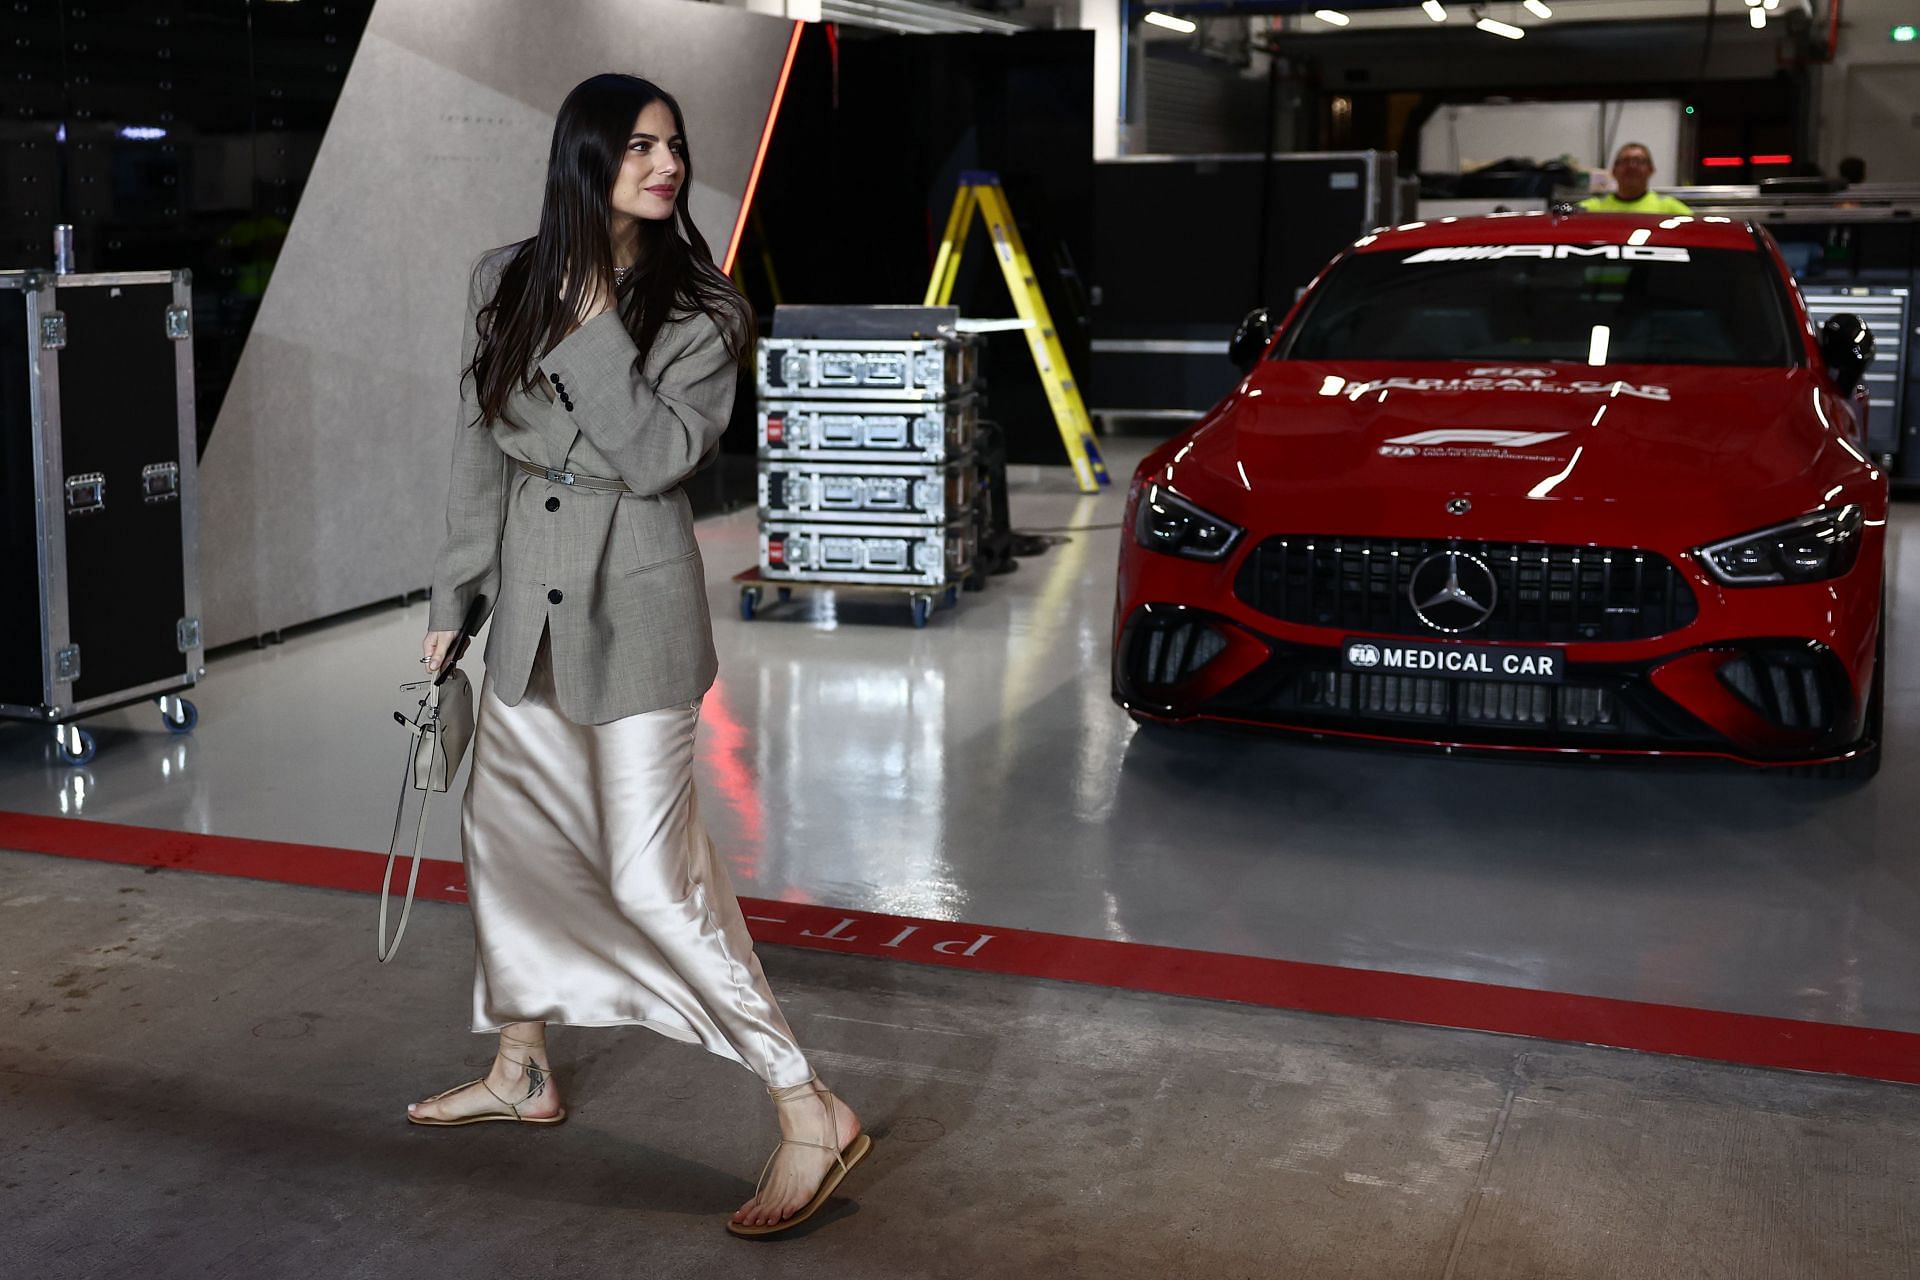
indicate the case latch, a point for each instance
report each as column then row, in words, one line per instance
column 66, row 663
column 160, row 482
column 186, row 634
column 53, row 331
column 86, row 494
column 179, row 323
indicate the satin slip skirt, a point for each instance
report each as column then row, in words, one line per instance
column 598, row 899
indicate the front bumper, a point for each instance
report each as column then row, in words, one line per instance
column 1758, row 700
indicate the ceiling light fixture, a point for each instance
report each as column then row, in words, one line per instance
column 1435, row 10
column 1536, row 8
column 1332, row 16
column 1184, row 26
column 1758, row 17
column 1496, row 28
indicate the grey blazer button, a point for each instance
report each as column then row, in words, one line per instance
column 553, row 504
column 554, row 378
column 554, row 596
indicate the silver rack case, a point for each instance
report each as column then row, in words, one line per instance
column 98, row 433
column 865, row 368
column 903, row 555
column 869, row 431
column 851, row 492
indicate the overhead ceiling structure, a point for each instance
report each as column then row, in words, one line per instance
column 916, row 17
column 1496, row 17
column 1508, row 18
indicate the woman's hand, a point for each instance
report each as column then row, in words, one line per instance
column 435, row 647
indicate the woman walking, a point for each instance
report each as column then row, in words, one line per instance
column 600, row 360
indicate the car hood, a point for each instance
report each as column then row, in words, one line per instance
column 1541, row 452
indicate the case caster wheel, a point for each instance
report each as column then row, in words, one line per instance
column 178, row 714
column 73, row 744
column 749, row 602
column 952, row 597
column 786, row 595
column 922, row 609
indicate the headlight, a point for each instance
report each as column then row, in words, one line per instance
column 1811, row 549
column 1167, row 522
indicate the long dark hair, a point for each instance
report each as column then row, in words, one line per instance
column 675, row 276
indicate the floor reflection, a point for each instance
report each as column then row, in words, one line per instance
column 977, row 770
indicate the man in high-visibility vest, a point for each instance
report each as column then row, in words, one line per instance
column 1632, row 170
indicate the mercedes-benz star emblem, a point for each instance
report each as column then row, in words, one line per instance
column 1459, row 506
column 1453, row 591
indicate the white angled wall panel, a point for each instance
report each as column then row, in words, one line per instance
column 325, row 477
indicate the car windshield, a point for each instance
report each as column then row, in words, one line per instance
column 1594, row 304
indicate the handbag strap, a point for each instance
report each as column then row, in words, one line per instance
column 383, row 948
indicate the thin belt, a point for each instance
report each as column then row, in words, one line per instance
column 577, row 481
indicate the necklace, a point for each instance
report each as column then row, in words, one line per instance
column 620, row 274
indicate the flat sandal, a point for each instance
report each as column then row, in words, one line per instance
column 843, row 1161
column 512, row 1112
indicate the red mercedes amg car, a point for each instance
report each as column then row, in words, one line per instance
column 1580, row 483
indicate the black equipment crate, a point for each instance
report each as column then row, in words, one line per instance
column 1161, row 321
column 99, row 499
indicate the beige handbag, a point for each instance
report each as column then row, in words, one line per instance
column 438, row 735
column 441, row 741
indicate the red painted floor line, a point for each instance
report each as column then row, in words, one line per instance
column 1747, row 1039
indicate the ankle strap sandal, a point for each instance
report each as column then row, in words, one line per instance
column 536, row 1081
column 843, row 1161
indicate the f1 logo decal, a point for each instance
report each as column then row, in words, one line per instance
column 1480, row 436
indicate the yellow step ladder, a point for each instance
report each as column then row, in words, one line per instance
column 981, row 190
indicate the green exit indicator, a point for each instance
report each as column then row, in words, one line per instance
column 1906, row 33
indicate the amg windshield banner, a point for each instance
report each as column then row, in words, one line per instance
column 1453, row 661
column 1561, row 252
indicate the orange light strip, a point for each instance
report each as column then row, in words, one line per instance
column 760, row 156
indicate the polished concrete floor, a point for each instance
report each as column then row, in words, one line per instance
column 203, row 1077
column 977, row 771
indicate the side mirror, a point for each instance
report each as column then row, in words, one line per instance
column 1847, row 346
column 1250, row 339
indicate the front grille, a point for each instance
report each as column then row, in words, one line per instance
column 1476, row 704
column 1544, row 593
column 1603, row 705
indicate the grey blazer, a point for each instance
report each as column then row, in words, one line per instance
column 616, row 579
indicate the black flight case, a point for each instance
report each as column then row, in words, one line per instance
column 99, row 508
